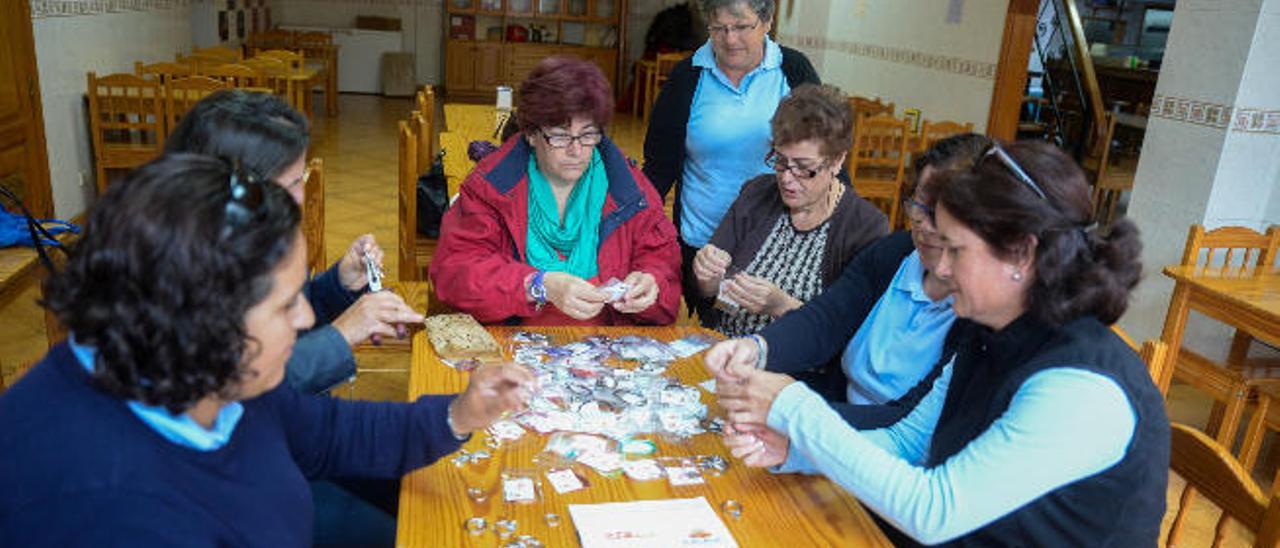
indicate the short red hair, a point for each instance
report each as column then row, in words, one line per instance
column 560, row 88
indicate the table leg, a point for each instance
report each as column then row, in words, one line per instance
column 331, row 88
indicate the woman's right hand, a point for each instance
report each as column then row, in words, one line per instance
column 494, row 390
column 726, row 357
column 710, row 264
column 573, row 295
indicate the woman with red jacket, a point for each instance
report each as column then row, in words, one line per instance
column 541, row 225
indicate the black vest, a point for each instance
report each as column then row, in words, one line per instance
column 1120, row 506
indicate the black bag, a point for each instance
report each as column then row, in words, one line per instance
column 433, row 198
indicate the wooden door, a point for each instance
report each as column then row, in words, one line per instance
column 24, row 165
column 488, row 59
column 459, row 67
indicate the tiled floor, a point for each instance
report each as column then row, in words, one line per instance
column 359, row 150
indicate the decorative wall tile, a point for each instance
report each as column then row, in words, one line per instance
column 72, row 8
column 1202, row 113
column 902, row 56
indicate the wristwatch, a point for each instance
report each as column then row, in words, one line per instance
column 538, row 291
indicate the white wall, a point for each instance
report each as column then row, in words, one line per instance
column 68, row 47
column 907, row 52
column 421, row 25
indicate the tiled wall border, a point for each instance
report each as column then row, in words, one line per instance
column 1216, row 115
column 41, row 9
column 931, row 61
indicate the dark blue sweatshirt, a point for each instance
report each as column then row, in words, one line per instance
column 79, row 468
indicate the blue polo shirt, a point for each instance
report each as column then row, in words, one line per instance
column 728, row 138
column 900, row 341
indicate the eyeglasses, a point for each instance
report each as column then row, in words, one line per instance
column 306, row 174
column 1014, row 168
column 779, row 164
column 246, row 197
column 724, row 30
column 588, row 139
column 913, row 206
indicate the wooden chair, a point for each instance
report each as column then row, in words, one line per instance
column 1209, row 468
column 408, row 208
column 1231, row 384
column 126, row 122
column 662, row 67
column 313, row 215
column 932, row 132
column 864, row 107
column 203, row 58
column 235, row 74
column 308, row 39
column 877, row 161
column 163, row 71
column 292, row 59
column 277, row 76
column 183, row 93
column 1109, row 182
column 271, row 39
column 426, row 103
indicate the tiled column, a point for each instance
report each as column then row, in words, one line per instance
column 1212, row 148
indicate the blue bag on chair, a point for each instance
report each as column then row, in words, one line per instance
column 26, row 231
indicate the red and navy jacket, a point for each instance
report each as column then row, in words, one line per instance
column 480, row 264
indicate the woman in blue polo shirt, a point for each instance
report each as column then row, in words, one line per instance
column 710, row 125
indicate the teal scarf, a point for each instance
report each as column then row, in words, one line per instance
column 577, row 240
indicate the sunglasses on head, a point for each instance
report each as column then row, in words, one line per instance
column 1007, row 161
column 246, row 197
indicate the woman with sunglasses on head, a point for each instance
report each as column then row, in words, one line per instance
column 788, row 235
column 162, row 419
column 1044, row 427
column 543, row 224
column 879, row 329
column 269, row 139
column 709, row 130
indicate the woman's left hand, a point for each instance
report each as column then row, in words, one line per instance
column 351, row 271
column 758, row 295
column 756, row 445
column 642, row 295
column 747, row 394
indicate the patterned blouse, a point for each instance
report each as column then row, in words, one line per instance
column 792, row 260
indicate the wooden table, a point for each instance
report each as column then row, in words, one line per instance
column 1247, row 299
column 466, row 123
column 417, row 296
column 793, row 509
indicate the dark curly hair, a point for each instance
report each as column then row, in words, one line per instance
column 817, row 112
column 1079, row 269
column 158, row 289
column 957, row 152
column 258, row 130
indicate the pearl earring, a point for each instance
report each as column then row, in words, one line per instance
column 1017, row 276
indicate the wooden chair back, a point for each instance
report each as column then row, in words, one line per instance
column 877, row 161
column 235, row 74
column 274, row 74
column 408, row 207
column 215, row 55
column 271, row 39
column 183, row 93
column 422, row 133
column 163, row 71
column 1159, row 359
column 126, row 122
column 1108, row 182
column 1210, row 468
column 310, row 39
column 313, row 215
column 1231, row 247
column 863, row 107
column 426, row 101
column 292, row 59
column 662, row 66
column 932, row 132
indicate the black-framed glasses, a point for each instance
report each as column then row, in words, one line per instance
column 246, row 197
column 1013, row 167
column 588, row 139
column 724, row 30
column 779, row 164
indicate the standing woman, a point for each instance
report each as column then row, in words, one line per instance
column 710, row 125
column 555, row 213
column 1045, row 428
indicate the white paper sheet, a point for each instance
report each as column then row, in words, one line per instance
column 650, row 523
